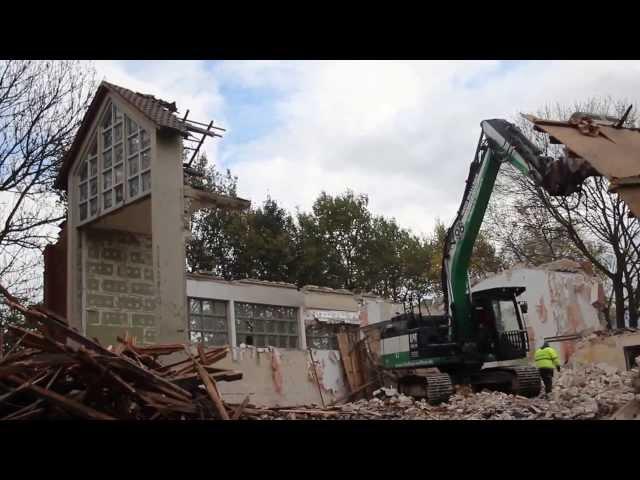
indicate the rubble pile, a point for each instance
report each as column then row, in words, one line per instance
column 600, row 334
column 591, row 392
column 54, row 372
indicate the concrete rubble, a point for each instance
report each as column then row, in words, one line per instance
column 583, row 393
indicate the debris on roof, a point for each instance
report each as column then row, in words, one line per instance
column 161, row 112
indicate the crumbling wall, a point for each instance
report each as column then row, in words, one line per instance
column 608, row 349
column 120, row 291
column 560, row 303
column 55, row 275
column 288, row 381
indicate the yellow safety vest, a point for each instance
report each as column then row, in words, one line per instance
column 547, row 358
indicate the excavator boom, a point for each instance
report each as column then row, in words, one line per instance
column 488, row 326
column 500, row 142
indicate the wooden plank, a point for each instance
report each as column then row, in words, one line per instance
column 343, row 346
column 315, row 376
column 203, row 358
column 24, row 414
column 210, row 359
column 66, row 403
column 183, row 366
column 209, row 384
column 238, row 412
column 159, row 401
column 84, row 354
column 126, row 365
column 23, row 385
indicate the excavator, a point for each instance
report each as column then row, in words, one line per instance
column 482, row 340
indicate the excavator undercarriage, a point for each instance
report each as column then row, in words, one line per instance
column 438, row 387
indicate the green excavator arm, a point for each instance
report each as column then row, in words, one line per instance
column 500, row 142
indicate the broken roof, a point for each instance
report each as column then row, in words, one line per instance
column 611, row 150
column 160, row 112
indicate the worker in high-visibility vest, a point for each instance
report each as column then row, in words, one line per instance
column 546, row 360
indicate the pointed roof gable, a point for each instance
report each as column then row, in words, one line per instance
column 158, row 111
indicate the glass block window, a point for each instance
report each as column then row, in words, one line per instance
column 88, row 186
column 208, row 321
column 321, row 336
column 112, row 159
column 266, row 325
column 118, row 166
column 138, row 160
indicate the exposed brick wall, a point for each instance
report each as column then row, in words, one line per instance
column 120, row 289
column 55, row 275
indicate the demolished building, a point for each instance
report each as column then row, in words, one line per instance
column 564, row 302
column 118, row 268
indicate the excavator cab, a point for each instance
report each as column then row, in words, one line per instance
column 501, row 329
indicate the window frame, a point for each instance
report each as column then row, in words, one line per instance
column 97, row 137
column 263, row 333
column 322, row 330
column 200, row 315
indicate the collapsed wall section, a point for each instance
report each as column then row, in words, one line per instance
column 120, row 294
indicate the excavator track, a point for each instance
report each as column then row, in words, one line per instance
column 439, row 388
column 526, row 381
column 517, row 380
column 435, row 387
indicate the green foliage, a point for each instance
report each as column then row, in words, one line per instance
column 340, row 243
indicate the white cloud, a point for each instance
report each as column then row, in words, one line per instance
column 402, row 132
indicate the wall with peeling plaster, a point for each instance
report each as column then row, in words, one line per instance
column 560, row 303
column 289, row 381
column 609, row 350
column 287, row 377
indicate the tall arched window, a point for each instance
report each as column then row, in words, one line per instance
column 106, row 181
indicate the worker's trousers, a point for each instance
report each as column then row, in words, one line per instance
column 547, row 378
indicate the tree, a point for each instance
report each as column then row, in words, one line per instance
column 592, row 225
column 268, row 251
column 344, row 227
column 484, row 257
column 214, row 238
column 41, row 106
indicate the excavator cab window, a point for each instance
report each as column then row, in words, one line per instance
column 501, row 330
column 506, row 315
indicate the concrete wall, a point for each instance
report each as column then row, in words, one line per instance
column 55, row 275
column 120, row 291
column 159, row 216
column 167, row 224
column 374, row 310
column 559, row 303
column 269, row 293
column 290, row 381
column 609, row 350
column 283, row 377
column 330, row 300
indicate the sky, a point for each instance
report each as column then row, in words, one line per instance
column 402, row 132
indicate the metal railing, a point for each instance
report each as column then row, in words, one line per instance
column 513, row 344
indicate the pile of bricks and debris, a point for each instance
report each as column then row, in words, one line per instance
column 590, row 392
column 54, row 372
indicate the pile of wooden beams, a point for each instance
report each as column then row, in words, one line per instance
column 360, row 370
column 54, row 372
